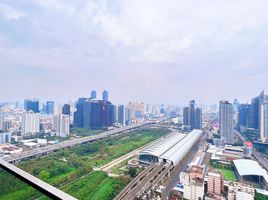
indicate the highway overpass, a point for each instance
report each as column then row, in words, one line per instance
column 45, row 150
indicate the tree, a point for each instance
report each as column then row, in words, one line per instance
column 132, row 172
column 44, row 175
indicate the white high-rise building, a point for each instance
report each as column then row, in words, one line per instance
column 61, row 125
column 226, row 122
column 264, row 119
column 30, row 123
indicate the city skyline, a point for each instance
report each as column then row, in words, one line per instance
column 150, row 51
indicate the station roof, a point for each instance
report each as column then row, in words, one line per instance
column 174, row 147
column 247, row 167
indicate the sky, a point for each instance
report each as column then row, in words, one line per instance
column 153, row 51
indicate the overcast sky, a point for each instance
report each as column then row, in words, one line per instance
column 146, row 50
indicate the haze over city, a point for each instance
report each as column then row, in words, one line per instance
column 151, row 51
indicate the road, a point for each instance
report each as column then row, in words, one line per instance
column 70, row 143
column 258, row 156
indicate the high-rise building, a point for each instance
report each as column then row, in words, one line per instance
column 78, row 114
column 5, row 138
column 215, row 183
column 121, row 115
column 30, row 123
column 31, row 105
column 66, row 109
column 198, row 118
column 244, row 115
column 186, row 116
column 50, row 107
column 61, row 125
column 192, row 116
column 226, row 122
column 93, row 94
column 94, row 114
column 236, row 105
column 255, row 112
column 264, row 119
column 105, row 95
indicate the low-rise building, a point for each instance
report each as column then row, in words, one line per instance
column 236, row 189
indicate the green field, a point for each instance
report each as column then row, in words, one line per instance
column 229, row 175
column 71, row 169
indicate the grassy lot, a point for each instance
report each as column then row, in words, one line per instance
column 229, row 175
column 65, row 168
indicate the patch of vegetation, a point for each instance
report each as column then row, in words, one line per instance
column 71, row 169
column 259, row 196
column 226, row 169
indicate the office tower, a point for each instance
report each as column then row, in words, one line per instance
column 31, row 105
column 1, row 117
column 61, row 125
column 94, row 114
column 108, row 114
column 192, row 113
column 78, row 114
column 254, row 121
column 50, row 107
column 30, row 123
column 5, row 138
column 244, row 115
column 264, row 118
column 93, row 94
column 198, row 118
column 226, row 122
column 192, row 116
column 215, row 183
column 66, row 109
column 105, row 95
column 121, row 115
column 186, row 116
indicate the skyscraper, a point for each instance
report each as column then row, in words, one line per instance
column 50, row 107
column 226, row 122
column 264, row 118
column 61, row 125
column 32, row 105
column 5, row 138
column 244, row 115
column 186, row 116
column 30, row 123
column 198, row 118
column 121, row 115
column 192, row 116
column 66, row 109
column 94, row 114
column 105, row 95
column 93, row 94
column 192, row 113
column 78, row 114
column 255, row 112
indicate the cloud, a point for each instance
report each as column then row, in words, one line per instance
column 10, row 13
column 135, row 48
